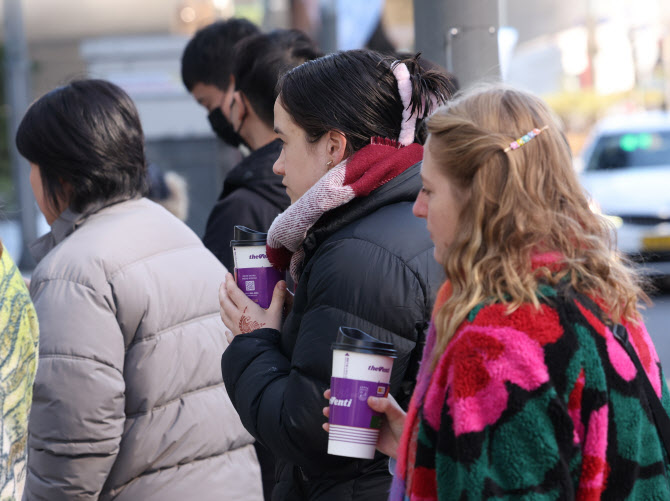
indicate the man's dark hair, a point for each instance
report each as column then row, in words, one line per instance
column 86, row 136
column 261, row 59
column 356, row 93
column 208, row 56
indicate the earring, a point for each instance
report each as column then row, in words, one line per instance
column 329, row 163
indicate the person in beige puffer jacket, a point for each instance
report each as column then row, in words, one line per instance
column 128, row 399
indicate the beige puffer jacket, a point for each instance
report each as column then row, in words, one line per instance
column 128, row 401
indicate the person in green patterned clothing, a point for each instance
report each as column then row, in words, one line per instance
column 18, row 363
column 525, row 389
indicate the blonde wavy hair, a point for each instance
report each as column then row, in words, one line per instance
column 517, row 204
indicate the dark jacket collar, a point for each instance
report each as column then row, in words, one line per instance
column 403, row 188
column 254, row 173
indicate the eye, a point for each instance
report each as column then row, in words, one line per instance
column 425, row 190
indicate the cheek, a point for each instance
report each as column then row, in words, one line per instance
column 292, row 164
column 312, row 168
column 33, row 181
column 36, row 185
column 316, row 172
column 440, row 222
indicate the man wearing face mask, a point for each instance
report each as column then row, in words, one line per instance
column 252, row 191
column 207, row 73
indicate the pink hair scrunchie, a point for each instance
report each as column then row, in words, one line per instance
column 408, row 127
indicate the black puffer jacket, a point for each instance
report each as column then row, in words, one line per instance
column 369, row 265
column 252, row 196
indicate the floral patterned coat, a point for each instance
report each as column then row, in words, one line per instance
column 18, row 363
column 538, row 404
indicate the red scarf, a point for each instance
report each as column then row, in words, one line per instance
column 368, row 169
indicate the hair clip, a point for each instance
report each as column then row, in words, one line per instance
column 524, row 139
column 408, row 126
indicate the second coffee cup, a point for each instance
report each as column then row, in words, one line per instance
column 361, row 368
column 254, row 274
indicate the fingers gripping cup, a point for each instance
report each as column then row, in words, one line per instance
column 254, row 274
column 361, row 369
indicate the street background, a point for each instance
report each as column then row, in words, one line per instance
column 656, row 318
column 588, row 58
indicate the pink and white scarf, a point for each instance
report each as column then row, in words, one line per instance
column 368, row 169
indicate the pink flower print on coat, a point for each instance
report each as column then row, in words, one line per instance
column 595, row 469
column 639, row 338
column 575, row 408
column 478, row 363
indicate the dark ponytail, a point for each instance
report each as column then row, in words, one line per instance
column 356, row 93
column 428, row 80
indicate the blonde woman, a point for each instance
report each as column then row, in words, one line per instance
column 524, row 391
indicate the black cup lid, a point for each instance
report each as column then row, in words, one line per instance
column 351, row 339
column 243, row 236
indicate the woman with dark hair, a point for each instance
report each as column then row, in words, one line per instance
column 350, row 165
column 127, row 392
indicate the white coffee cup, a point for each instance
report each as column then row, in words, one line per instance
column 254, row 273
column 361, row 368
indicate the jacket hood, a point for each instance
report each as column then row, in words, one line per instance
column 254, row 173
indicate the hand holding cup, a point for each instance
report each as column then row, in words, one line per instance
column 392, row 424
column 241, row 315
column 362, row 368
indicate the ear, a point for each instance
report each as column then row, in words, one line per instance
column 336, row 147
column 239, row 108
column 63, row 199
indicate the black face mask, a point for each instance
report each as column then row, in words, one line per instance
column 223, row 128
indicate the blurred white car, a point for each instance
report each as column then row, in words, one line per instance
column 625, row 167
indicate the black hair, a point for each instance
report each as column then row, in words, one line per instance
column 261, row 59
column 428, row 65
column 86, row 136
column 208, row 56
column 356, row 93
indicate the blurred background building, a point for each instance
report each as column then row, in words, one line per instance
column 587, row 57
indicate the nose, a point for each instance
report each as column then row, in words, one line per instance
column 420, row 208
column 278, row 167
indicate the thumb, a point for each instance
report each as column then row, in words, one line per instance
column 386, row 405
column 278, row 294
